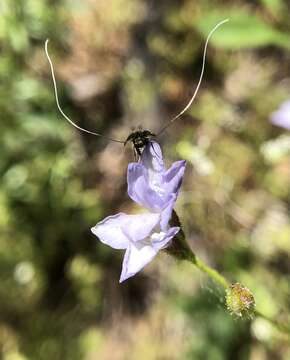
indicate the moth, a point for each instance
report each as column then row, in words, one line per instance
column 139, row 138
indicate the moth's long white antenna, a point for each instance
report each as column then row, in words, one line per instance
column 59, row 107
column 199, row 81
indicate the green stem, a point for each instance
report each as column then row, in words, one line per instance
column 221, row 280
column 282, row 327
column 180, row 249
column 212, row 273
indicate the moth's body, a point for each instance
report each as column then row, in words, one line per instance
column 139, row 139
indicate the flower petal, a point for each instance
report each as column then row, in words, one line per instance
column 110, row 233
column 152, row 157
column 139, row 255
column 118, row 230
column 173, row 177
column 139, row 188
column 166, row 213
column 135, row 259
column 281, row 117
column 140, row 226
column 160, row 240
column 149, row 184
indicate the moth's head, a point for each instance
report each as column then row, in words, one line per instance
column 139, row 138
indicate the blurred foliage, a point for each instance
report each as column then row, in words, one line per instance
column 118, row 64
column 250, row 30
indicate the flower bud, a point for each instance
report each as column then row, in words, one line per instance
column 240, row 301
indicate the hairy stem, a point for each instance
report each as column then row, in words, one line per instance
column 180, row 249
column 222, row 281
column 212, row 273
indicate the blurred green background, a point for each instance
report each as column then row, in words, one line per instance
column 120, row 64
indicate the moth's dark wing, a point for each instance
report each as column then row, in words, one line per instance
column 157, row 155
column 148, row 133
column 129, row 138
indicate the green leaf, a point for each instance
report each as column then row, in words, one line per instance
column 244, row 30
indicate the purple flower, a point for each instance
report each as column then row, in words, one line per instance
column 143, row 235
column 281, row 117
column 149, row 183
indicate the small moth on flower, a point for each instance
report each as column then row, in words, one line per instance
column 144, row 235
column 150, row 185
